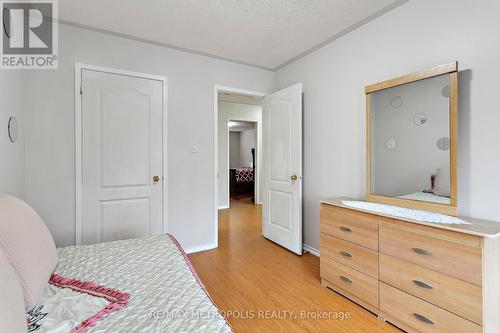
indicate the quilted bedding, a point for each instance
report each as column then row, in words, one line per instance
column 165, row 293
column 244, row 175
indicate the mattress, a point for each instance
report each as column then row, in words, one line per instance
column 165, row 294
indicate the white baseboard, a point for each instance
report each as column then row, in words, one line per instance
column 222, row 207
column 195, row 249
column 311, row 250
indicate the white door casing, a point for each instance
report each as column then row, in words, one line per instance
column 216, row 166
column 282, row 171
column 121, row 153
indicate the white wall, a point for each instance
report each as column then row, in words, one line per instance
column 241, row 143
column 234, row 150
column 417, row 35
column 11, row 154
column 191, row 81
column 247, row 142
column 234, row 111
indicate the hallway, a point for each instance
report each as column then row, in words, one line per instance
column 251, row 280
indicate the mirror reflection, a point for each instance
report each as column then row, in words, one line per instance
column 410, row 141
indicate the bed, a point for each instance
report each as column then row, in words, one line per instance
column 152, row 277
column 439, row 191
column 136, row 285
column 427, row 196
column 242, row 180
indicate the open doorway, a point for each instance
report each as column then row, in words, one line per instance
column 278, row 161
column 242, row 166
column 239, row 148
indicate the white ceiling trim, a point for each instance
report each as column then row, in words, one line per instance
column 273, row 69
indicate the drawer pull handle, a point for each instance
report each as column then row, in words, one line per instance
column 422, row 251
column 346, row 254
column 346, row 279
column 422, row 284
column 345, row 229
column 423, row 318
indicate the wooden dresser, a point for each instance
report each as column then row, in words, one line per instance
column 421, row 277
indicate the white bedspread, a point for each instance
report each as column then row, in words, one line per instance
column 165, row 296
column 429, row 197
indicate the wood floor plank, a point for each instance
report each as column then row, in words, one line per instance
column 248, row 275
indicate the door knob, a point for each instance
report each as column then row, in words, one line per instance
column 294, row 178
column 156, row 179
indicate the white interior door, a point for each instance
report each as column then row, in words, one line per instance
column 122, row 153
column 282, row 174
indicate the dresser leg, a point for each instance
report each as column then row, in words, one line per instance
column 381, row 318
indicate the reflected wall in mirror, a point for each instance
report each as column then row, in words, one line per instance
column 407, row 172
column 411, row 140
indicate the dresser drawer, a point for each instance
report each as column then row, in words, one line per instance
column 354, row 256
column 420, row 315
column 454, row 295
column 350, row 225
column 358, row 284
column 445, row 256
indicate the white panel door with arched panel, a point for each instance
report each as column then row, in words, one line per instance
column 282, row 176
column 122, row 153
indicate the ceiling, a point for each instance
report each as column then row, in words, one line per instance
column 263, row 33
column 240, row 126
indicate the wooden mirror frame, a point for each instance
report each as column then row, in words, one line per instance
column 452, row 70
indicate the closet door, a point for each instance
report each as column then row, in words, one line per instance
column 121, row 156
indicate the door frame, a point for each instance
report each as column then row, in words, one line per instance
column 217, row 89
column 79, row 67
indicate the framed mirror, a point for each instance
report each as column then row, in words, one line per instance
column 411, row 145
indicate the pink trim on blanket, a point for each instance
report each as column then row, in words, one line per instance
column 196, row 276
column 116, row 298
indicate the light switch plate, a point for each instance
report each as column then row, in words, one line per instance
column 195, row 148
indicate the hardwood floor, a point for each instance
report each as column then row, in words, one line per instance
column 248, row 275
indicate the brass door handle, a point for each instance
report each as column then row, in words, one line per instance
column 156, row 179
column 294, row 178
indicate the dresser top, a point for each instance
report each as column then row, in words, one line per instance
column 476, row 227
